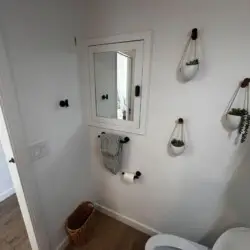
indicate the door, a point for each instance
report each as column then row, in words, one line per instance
column 105, row 77
column 20, row 166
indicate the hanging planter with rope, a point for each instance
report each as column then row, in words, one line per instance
column 189, row 64
column 239, row 118
column 176, row 141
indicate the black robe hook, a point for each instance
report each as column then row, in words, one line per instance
column 64, row 103
column 194, row 34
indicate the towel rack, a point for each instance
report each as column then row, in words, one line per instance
column 125, row 140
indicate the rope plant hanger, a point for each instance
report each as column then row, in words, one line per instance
column 239, row 118
column 189, row 64
column 177, row 142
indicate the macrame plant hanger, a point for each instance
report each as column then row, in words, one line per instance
column 189, row 63
column 177, row 137
column 239, row 118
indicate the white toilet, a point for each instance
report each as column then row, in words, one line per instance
column 233, row 239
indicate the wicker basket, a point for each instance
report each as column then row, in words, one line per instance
column 78, row 224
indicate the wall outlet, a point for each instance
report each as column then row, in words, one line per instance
column 39, row 150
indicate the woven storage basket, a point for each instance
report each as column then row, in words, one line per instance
column 78, row 224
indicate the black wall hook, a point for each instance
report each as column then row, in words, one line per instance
column 245, row 83
column 180, row 121
column 105, row 97
column 194, row 34
column 64, row 103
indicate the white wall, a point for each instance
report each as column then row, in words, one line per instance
column 186, row 195
column 39, row 39
column 6, row 186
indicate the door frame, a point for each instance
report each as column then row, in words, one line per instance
column 22, row 171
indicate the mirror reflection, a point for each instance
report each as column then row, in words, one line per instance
column 114, row 92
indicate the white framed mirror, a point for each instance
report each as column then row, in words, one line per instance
column 119, row 81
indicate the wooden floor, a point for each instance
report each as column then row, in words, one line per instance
column 13, row 235
column 110, row 234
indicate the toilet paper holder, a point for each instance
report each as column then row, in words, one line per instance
column 137, row 175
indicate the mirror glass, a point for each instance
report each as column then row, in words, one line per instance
column 114, row 91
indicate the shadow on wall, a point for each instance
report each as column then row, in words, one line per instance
column 236, row 200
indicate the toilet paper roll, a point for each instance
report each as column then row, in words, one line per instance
column 129, row 177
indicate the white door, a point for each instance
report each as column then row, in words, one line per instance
column 15, row 146
column 5, row 142
column 105, row 89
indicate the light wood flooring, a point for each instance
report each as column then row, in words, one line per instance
column 110, row 234
column 13, row 235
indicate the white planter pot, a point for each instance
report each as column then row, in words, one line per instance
column 188, row 72
column 177, row 150
column 233, row 121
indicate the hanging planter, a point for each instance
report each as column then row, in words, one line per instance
column 178, row 146
column 176, row 142
column 189, row 64
column 234, row 118
column 239, row 118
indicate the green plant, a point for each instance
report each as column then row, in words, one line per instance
column 244, row 127
column 244, row 122
column 177, row 143
column 238, row 112
column 193, row 62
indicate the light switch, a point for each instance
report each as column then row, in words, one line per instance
column 39, row 150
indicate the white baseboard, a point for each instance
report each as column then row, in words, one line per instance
column 4, row 195
column 126, row 220
column 63, row 244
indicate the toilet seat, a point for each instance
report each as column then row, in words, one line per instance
column 168, row 240
column 234, row 239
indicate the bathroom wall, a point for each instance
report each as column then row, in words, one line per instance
column 6, row 186
column 39, row 40
column 187, row 195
